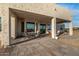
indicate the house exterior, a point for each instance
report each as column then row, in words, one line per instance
column 14, row 17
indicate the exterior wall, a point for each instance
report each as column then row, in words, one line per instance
column 18, row 27
column 13, row 25
column 44, row 9
column 1, row 34
column 4, row 34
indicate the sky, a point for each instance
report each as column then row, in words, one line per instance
column 74, row 7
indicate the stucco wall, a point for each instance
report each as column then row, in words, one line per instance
column 4, row 34
column 45, row 9
column 18, row 27
column 42, row 8
column 13, row 25
column 1, row 22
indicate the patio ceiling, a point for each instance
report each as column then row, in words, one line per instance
column 31, row 17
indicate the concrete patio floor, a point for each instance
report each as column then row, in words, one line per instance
column 45, row 46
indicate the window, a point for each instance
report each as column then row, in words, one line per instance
column 30, row 27
column 0, row 23
column 49, row 26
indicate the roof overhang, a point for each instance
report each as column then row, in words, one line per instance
column 48, row 9
column 30, row 16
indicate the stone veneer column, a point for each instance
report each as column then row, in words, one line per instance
column 53, row 28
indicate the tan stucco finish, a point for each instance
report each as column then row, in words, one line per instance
column 4, row 14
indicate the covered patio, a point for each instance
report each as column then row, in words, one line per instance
column 22, row 20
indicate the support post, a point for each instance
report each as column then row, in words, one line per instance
column 24, row 25
column 46, row 28
column 38, row 28
column 70, row 28
column 35, row 27
column 53, row 28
